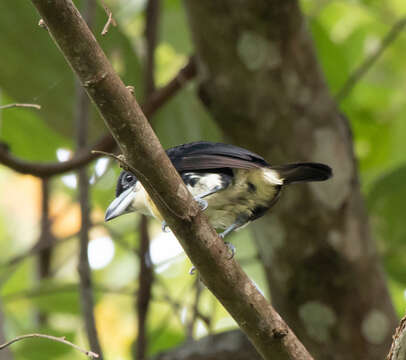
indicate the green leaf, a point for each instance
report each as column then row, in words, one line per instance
column 386, row 204
column 34, row 70
column 25, row 132
column 174, row 27
column 184, row 119
column 163, row 338
column 330, row 54
column 52, row 297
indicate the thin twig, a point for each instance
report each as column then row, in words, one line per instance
column 18, row 105
column 82, row 109
column 110, row 19
column 62, row 340
column 119, row 158
column 359, row 72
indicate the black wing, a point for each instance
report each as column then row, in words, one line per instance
column 203, row 155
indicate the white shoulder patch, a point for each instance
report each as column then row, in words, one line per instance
column 203, row 182
column 272, row 176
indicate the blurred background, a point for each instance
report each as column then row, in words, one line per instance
column 143, row 299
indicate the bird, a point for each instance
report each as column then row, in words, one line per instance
column 234, row 186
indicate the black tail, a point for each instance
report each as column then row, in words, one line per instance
column 291, row 173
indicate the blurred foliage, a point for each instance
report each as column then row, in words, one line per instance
column 346, row 32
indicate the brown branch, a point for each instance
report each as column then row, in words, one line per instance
column 106, row 143
column 398, row 348
column 17, row 105
column 85, row 277
column 224, row 277
column 359, row 72
column 144, row 295
column 46, row 237
column 35, row 249
column 146, row 274
column 151, row 35
column 65, row 288
column 110, row 19
column 190, row 325
column 62, row 340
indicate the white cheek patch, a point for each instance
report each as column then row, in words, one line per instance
column 140, row 202
column 272, row 176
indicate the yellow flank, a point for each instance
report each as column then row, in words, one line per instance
column 241, row 198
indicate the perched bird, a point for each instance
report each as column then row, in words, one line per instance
column 233, row 185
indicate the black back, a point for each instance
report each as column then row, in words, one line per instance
column 201, row 156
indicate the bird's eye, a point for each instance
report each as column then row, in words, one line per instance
column 129, row 178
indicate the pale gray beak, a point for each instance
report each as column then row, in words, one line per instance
column 121, row 205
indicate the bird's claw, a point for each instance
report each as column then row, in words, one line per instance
column 165, row 227
column 192, row 270
column 202, row 203
column 231, row 249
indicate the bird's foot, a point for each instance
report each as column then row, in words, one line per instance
column 231, row 249
column 165, row 227
column 202, row 203
column 192, row 270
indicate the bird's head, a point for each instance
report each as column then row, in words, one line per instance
column 130, row 196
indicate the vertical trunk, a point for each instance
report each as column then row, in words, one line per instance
column 260, row 79
column 46, row 237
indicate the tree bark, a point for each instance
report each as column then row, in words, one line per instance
column 260, row 78
column 398, row 348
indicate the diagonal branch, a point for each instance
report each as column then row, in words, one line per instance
column 359, row 72
column 106, row 143
column 62, row 340
column 224, row 277
column 398, row 348
column 82, row 116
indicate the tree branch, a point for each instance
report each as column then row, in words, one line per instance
column 106, row 143
column 359, row 72
column 144, row 294
column 146, row 274
column 398, row 347
column 85, row 277
column 46, row 237
column 16, row 105
column 224, row 277
column 62, row 340
column 110, row 19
